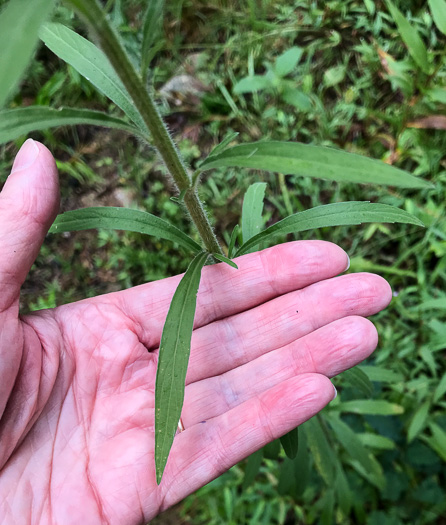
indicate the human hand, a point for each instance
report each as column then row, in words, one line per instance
column 77, row 382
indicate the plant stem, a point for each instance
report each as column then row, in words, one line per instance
column 110, row 43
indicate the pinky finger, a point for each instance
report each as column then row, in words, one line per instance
column 206, row 450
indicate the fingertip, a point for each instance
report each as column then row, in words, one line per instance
column 26, row 156
column 33, row 184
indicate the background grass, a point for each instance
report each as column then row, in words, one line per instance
column 366, row 95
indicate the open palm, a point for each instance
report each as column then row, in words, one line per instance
column 77, row 382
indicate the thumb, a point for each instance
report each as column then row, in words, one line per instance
column 29, row 203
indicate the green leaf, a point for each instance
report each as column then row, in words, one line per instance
column 356, row 378
column 343, row 492
column 376, row 407
column 112, row 218
column 272, row 449
column 323, row 453
column 153, row 23
column 224, row 259
column 173, row 360
column 252, row 468
column 92, row 64
column 438, row 440
column 232, row 240
column 302, row 464
column 290, row 443
column 337, row 214
column 224, row 143
column 438, row 10
column 287, row 483
column 312, row 161
column 17, row 122
column 381, row 375
column 297, row 98
column 252, row 220
column 440, row 391
column 20, row 21
column 437, row 94
column 334, row 75
column 356, row 450
column 438, row 303
column 252, row 84
column 287, row 61
column 410, row 37
column 327, row 507
column 376, row 441
column 418, row 421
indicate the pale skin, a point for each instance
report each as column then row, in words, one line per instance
column 77, row 382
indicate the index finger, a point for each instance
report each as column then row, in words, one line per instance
column 225, row 291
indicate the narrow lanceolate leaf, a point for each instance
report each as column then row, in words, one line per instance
column 153, row 23
column 290, row 443
column 252, row 468
column 438, row 303
column 371, row 407
column 324, row 456
column 356, row 450
column 224, row 144
column 17, row 122
column 438, row 440
column 418, row 421
column 337, row 214
column 173, row 359
column 438, row 10
column 224, row 259
column 410, row 37
column 20, row 21
column 312, row 161
column 252, row 221
column 92, row 64
column 359, row 381
column 111, row 218
column 233, row 240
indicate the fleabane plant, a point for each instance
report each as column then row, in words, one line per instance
column 108, row 67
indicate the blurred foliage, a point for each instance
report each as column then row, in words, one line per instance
column 365, row 93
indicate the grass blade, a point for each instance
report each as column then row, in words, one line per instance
column 92, row 64
column 337, row 214
column 173, row 359
column 153, row 22
column 438, row 10
column 252, row 221
column 410, row 37
column 17, row 122
column 290, row 443
column 312, row 161
column 20, row 21
column 122, row 219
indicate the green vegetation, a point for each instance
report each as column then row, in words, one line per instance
column 377, row 454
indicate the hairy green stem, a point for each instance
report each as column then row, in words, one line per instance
column 110, row 43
